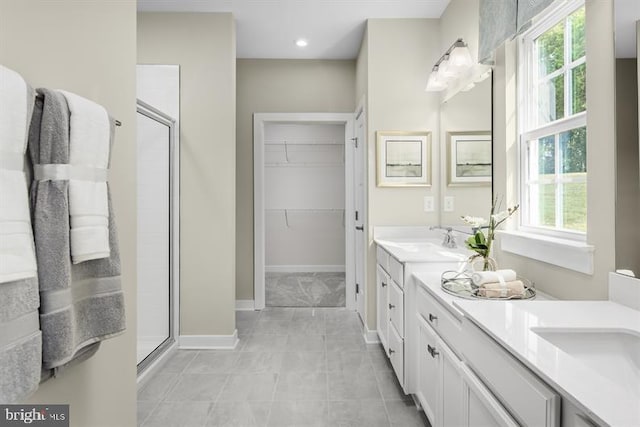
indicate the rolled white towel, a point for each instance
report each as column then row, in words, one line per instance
column 479, row 278
column 512, row 289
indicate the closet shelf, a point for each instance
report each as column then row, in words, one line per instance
column 287, row 212
column 304, row 164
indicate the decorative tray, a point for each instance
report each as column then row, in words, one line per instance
column 459, row 284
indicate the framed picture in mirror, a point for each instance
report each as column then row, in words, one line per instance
column 469, row 158
column 404, row 159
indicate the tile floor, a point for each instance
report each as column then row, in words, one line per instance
column 305, row 289
column 292, row 367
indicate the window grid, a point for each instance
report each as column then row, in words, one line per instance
column 534, row 131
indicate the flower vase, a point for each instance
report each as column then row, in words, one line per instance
column 480, row 263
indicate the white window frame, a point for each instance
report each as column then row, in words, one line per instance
column 527, row 115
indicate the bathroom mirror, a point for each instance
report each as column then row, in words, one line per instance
column 627, row 26
column 466, row 154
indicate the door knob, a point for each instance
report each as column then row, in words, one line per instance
column 360, row 227
column 391, row 351
column 384, row 284
column 391, row 306
column 432, row 317
column 432, row 351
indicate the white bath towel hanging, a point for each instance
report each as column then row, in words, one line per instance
column 88, row 199
column 17, row 257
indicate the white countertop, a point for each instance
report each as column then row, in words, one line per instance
column 616, row 403
column 422, row 250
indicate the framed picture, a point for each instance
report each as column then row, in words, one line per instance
column 404, row 159
column 469, row 158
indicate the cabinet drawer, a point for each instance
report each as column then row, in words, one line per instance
column 440, row 319
column 574, row 417
column 383, row 258
column 383, row 282
column 396, row 271
column 396, row 308
column 529, row 400
column 396, row 354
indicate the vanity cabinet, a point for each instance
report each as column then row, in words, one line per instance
column 448, row 391
column 392, row 277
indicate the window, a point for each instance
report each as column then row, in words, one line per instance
column 553, row 118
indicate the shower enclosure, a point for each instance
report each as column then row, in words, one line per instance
column 155, row 178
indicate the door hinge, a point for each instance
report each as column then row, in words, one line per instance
column 356, row 215
column 357, row 288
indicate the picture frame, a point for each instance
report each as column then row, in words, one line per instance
column 469, row 158
column 403, row 159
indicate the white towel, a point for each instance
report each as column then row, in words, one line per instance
column 479, row 278
column 88, row 201
column 17, row 256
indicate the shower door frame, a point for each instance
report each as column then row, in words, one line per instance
column 162, row 118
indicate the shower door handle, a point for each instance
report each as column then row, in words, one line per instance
column 360, row 227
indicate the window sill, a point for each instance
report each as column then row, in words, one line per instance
column 569, row 254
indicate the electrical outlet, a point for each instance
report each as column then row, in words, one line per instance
column 449, row 203
column 428, row 204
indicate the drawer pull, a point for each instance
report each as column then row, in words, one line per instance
column 432, row 351
column 432, row 317
column 384, row 285
column 391, row 306
column 391, row 351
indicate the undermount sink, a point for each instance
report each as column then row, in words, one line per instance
column 614, row 353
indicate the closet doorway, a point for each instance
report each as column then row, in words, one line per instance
column 303, row 196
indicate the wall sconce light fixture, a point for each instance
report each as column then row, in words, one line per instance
column 455, row 63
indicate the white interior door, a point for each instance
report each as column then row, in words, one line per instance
column 359, row 204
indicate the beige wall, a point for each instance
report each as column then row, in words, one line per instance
column 278, row 86
column 557, row 281
column 627, row 177
column 399, row 55
column 89, row 48
column 203, row 44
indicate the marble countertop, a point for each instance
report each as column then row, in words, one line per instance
column 601, row 377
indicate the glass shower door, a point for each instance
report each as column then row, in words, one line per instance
column 154, row 185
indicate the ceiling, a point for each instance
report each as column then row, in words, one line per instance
column 333, row 28
column 627, row 13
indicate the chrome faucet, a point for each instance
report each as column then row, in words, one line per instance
column 449, row 238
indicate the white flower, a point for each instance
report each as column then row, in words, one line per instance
column 474, row 221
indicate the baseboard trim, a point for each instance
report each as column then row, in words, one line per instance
column 304, row 269
column 245, row 305
column 371, row 337
column 209, row 342
column 160, row 361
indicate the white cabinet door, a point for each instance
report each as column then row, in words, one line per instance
column 396, row 353
column 396, row 307
column 481, row 409
column 452, row 387
column 382, row 294
column 429, row 378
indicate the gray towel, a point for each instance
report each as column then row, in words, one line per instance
column 20, row 337
column 81, row 304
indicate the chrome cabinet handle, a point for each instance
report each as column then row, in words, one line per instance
column 391, row 351
column 391, row 306
column 432, row 317
column 384, row 285
column 432, row 351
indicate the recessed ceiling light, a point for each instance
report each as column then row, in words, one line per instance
column 301, row 42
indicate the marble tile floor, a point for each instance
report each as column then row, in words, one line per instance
column 293, row 367
column 305, row 289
